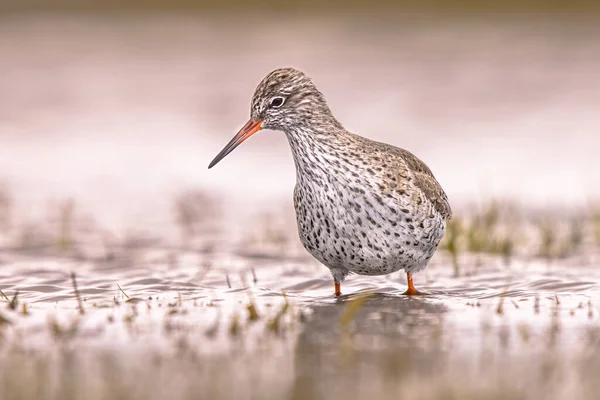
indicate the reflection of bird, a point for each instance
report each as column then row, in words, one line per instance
column 403, row 343
column 361, row 206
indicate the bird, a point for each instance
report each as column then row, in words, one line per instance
column 362, row 206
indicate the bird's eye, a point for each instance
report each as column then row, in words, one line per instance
column 277, row 102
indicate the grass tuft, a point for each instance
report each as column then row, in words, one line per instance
column 274, row 325
column 352, row 309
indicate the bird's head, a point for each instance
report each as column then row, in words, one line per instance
column 285, row 100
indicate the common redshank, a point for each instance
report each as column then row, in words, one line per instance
column 362, row 206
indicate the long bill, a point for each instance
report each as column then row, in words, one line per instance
column 251, row 127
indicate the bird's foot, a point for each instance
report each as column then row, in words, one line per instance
column 411, row 291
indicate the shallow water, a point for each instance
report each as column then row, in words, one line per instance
column 180, row 327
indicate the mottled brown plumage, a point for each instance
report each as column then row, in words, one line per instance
column 424, row 179
column 362, row 206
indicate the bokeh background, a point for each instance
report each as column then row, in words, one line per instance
column 120, row 106
column 128, row 270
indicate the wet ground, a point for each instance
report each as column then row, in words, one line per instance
column 193, row 285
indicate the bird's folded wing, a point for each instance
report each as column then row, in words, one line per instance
column 427, row 183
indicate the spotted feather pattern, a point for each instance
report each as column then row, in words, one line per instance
column 362, row 206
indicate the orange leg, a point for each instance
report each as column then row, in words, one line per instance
column 338, row 291
column 411, row 291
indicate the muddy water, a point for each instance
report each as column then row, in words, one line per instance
column 122, row 114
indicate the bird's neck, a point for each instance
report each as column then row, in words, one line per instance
column 316, row 149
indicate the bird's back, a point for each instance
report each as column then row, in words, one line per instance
column 402, row 170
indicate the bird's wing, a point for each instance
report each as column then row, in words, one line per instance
column 422, row 175
column 427, row 183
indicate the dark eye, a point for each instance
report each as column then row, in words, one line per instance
column 277, row 102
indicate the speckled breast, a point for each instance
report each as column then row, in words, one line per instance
column 353, row 227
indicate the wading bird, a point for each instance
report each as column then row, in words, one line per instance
column 361, row 206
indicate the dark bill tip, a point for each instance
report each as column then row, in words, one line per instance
column 251, row 127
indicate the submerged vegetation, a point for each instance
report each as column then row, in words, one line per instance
column 182, row 347
column 509, row 232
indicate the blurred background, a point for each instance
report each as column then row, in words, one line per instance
column 128, row 270
column 119, row 106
